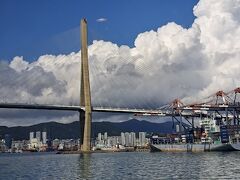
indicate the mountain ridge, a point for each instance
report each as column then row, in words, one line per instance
column 72, row 130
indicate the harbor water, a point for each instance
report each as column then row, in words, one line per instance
column 123, row 165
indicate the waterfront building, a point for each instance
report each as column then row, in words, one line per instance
column 142, row 138
column 69, row 144
column 38, row 135
column 130, row 139
column 105, row 136
column 102, row 139
column 55, row 143
column 123, row 142
column 44, row 137
column 18, row 146
column 133, row 139
column 2, row 146
column 112, row 141
column 31, row 135
column 115, row 141
column 61, row 146
column 34, row 143
column 99, row 137
column 8, row 141
column 109, row 144
column 126, row 138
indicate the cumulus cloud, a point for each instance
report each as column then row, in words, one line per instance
column 100, row 20
column 171, row 62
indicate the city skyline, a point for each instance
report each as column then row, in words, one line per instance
column 40, row 141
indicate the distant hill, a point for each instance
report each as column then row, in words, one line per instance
column 72, row 130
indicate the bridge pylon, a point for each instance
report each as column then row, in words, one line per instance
column 85, row 93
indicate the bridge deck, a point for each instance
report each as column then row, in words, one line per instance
column 185, row 111
column 38, row 106
column 76, row 108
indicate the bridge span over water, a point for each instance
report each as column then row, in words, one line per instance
column 224, row 105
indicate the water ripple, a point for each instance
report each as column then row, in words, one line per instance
column 211, row 165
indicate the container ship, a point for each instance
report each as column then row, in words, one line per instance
column 215, row 134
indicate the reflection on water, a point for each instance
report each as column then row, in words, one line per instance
column 209, row 165
column 84, row 163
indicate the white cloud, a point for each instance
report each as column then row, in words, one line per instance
column 18, row 64
column 172, row 62
column 101, row 20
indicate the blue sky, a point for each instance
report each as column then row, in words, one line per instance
column 32, row 28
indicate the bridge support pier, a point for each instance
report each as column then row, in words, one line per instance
column 82, row 123
column 85, row 94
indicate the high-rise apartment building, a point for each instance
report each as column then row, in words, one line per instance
column 133, row 139
column 38, row 136
column 99, row 137
column 105, row 136
column 127, row 139
column 31, row 135
column 44, row 137
column 123, row 142
column 142, row 138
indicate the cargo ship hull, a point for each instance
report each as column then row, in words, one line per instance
column 194, row 147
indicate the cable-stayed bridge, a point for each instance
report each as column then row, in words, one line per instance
column 225, row 105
